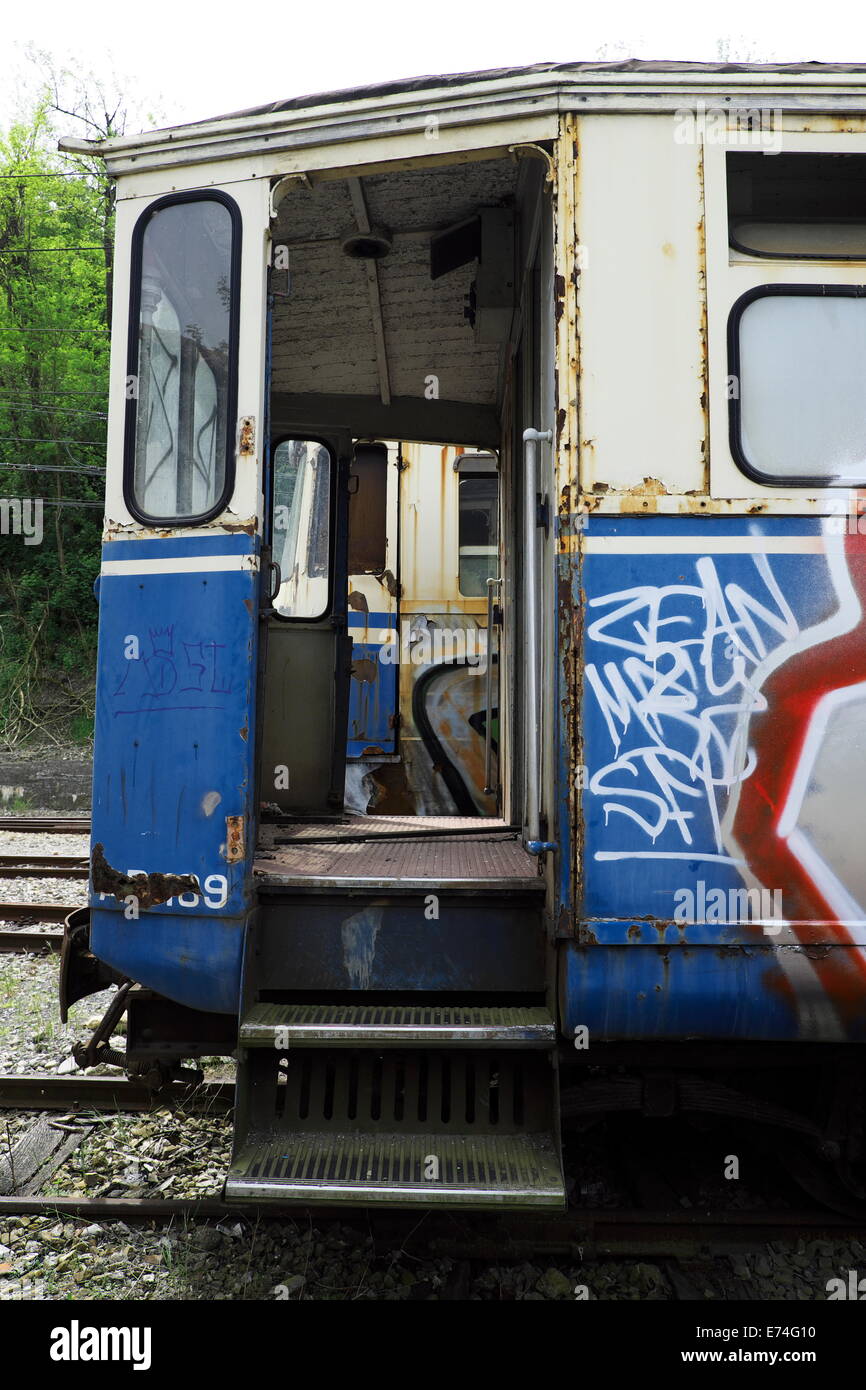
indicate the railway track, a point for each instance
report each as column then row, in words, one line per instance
column 43, row 866
column 24, row 942
column 109, row 1093
column 48, row 825
column 35, row 912
column 584, row 1235
column 692, row 1239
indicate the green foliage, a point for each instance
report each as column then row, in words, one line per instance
column 56, row 236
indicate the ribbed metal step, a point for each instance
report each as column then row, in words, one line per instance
column 476, row 1170
column 298, row 1025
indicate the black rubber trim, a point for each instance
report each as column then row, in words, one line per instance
column 735, row 404
column 333, row 493
column 736, row 245
column 197, row 196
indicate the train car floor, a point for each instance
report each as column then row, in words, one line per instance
column 373, row 851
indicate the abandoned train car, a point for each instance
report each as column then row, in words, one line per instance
column 565, row 360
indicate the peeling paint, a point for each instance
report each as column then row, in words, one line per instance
column 148, row 889
column 359, row 935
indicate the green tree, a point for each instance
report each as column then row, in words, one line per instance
column 56, row 248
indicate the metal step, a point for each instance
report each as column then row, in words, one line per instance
column 359, row 1025
column 466, row 1170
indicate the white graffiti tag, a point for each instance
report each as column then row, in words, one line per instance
column 675, row 693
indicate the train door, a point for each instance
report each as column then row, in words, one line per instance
column 529, row 675
column 305, row 684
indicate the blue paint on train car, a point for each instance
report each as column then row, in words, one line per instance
column 374, row 692
column 621, row 993
column 674, row 636
column 192, row 959
column 174, row 755
column 716, row 836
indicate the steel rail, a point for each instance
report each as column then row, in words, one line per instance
column 47, row 825
column 35, row 912
column 20, row 942
column 23, row 870
column 585, row 1235
column 108, row 1093
column 45, row 861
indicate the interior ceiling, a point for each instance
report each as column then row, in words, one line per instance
column 325, row 333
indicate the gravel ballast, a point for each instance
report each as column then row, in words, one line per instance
column 174, row 1154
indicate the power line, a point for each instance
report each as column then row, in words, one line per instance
column 68, row 391
column 64, row 329
column 32, row 250
column 59, row 174
column 84, row 468
column 79, row 443
column 51, row 502
column 53, row 409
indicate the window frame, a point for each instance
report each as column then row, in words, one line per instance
column 735, row 315
column 132, row 352
column 470, row 474
column 288, row 438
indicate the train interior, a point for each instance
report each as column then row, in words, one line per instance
column 405, row 363
column 397, row 1034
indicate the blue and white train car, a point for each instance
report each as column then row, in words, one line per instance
column 614, row 313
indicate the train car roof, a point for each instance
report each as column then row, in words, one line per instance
column 638, row 66
column 467, row 98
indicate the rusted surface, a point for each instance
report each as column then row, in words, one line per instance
column 567, row 402
column 234, row 839
column 149, row 890
column 247, row 437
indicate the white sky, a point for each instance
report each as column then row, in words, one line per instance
column 184, row 61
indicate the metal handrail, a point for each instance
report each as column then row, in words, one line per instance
column 530, row 612
column 488, row 722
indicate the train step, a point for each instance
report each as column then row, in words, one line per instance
column 452, row 1124
column 364, row 1025
column 467, row 1170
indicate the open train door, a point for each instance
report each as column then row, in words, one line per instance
column 305, row 688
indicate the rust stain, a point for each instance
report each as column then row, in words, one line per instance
column 149, row 890
column 234, row 839
column 358, row 601
column 247, row 440
column 366, row 670
column 559, row 295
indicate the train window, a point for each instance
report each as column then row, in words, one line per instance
column 797, row 357
column 368, row 509
column 478, row 532
column 302, row 527
column 797, row 206
column 182, row 359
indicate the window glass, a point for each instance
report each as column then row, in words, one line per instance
column 801, row 240
column 478, row 535
column 797, row 205
column 182, row 427
column 801, row 412
column 302, row 527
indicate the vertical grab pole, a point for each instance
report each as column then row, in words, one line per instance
column 530, row 607
column 489, row 789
